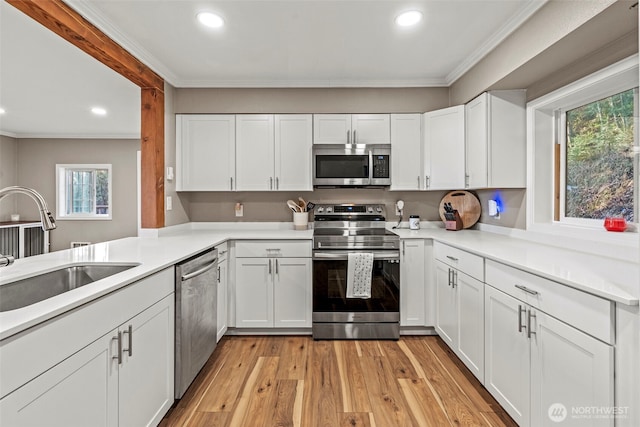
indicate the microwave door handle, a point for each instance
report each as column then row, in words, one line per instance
column 370, row 167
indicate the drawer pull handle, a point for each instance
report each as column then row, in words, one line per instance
column 530, row 329
column 119, row 356
column 452, row 258
column 527, row 290
column 521, row 309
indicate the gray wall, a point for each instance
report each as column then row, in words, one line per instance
column 37, row 159
column 8, row 175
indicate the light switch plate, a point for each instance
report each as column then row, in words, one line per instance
column 169, row 203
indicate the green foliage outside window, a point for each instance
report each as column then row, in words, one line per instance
column 599, row 159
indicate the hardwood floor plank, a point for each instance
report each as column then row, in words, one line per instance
column 232, row 378
column 209, row 419
column 460, row 375
column 458, row 408
column 283, row 404
column 321, row 398
column 355, row 419
column 387, row 401
column 251, row 407
column 352, row 384
column 423, row 405
column 293, row 358
column 299, row 382
column 401, row 364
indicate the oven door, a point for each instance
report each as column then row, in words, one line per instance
column 330, row 303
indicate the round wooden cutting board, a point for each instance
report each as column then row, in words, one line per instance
column 467, row 205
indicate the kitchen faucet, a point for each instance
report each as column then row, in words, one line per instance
column 48, row 223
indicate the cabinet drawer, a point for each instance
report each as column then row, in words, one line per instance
column 273, row 248
column 466, row 262
column 589, row 313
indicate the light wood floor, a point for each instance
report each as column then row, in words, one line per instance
column 295, row 381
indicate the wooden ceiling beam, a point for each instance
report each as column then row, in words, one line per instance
column 58, row 17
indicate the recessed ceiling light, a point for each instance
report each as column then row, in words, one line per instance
column 210, row 19
column 99, row 111
column 409, row 18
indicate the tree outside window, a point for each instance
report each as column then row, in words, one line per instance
column 84, row 191
column 600, row 180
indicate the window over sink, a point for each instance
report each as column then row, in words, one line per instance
column 83, row 191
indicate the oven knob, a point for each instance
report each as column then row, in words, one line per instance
column 370, row 209
column 329, row 209
column 320, row 209
column 378, row 209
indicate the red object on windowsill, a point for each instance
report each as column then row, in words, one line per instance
column 615, row 224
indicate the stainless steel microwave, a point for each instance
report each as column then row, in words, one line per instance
column 351, row 165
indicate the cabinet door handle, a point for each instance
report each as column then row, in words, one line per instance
column 452, row 258
column 230, row 183
column 129, row 333
column 529, row 328
column 466, row 180
column 218, row 278
column 271, row 183
column 450, row 271
column 426, row 182
column 521, row 309
column 277, row 183
column 348, row 138
column 403, row 247
column 355, row 141
column 527, row 290
column 454, row 276
column 119, row 356
column 277, row 272
column 418, row 182
column 269, row 266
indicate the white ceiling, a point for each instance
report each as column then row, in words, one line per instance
column 265, row 43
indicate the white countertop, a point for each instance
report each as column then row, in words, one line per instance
column 606, row 277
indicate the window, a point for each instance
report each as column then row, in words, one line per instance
column 583, row 157
column 598, row 178
column 83, row 191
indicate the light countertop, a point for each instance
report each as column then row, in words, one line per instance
column 605, row 277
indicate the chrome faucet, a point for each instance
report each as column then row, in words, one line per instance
column 48, row 223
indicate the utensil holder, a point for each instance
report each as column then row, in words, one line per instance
column 300, row 220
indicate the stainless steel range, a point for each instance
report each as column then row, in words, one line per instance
column 341, row 230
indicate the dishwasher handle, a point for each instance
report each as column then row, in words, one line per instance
column 203, row 270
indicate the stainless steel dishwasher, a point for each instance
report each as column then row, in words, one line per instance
column 196, row 328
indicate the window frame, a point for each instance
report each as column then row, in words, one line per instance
column 62, row 194
column 561, row 125
column 543, row 133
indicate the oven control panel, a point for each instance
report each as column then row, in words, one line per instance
column 349, row 210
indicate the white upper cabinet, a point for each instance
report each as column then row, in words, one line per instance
column 255, row 152
column 351, row 129
column 444, row 149
column 205, row 152
column 406, row 152
column 496, row 140
column 293, row 140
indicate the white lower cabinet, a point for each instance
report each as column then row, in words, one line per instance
column 543, row 371
column 273, row 284
column 412, row 282
column 223, row 291
column 460, row 315
column 124, row 378
column 108, row 363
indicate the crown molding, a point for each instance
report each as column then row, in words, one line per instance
column 435, row 82
column 498, row 37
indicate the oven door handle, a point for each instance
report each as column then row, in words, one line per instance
column 344, row 255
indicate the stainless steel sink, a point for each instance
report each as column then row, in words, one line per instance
column 38, row 288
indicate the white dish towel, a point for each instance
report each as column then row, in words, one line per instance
column 359, row 268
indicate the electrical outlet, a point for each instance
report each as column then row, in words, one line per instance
column 398, row 213
column 239, row 209
column 169, row 203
